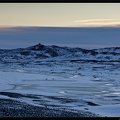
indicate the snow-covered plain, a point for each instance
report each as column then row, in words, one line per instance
column 63, row 84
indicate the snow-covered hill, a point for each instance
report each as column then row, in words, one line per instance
column 40, row 52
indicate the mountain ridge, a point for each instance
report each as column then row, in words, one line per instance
column 40, row 52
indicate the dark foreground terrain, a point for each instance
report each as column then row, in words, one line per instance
column 12, row 108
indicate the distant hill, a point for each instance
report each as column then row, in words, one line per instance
column 43, row 52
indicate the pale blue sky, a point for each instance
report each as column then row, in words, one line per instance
column 88, row 38
column 59, row 14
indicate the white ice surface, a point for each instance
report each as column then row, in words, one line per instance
column 97, row 83
column 106, row 110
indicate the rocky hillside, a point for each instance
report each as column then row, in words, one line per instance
column 43, row 52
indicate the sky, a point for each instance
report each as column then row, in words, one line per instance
column 59, row 14
column 27, row 15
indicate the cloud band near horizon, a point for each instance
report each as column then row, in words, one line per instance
column 97, row 22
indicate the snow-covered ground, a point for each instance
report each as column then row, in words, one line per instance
column 77, row 85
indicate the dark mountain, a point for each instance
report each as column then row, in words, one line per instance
column 40, row 52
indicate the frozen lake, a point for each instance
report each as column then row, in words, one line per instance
column 78, row 85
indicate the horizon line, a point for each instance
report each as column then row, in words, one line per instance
column 17, row 26
column 59, row 46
